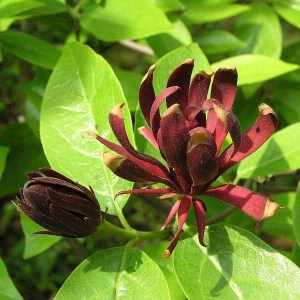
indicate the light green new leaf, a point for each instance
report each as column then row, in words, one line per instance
column 3, row 156
column 235, row 265
column 7, row 288
column 35, row 243
column 30, row 48
column 279, row 154
column 197, row 12
column 288, row 13
column 80, row 93
column 10, row 8
column 218, row 41
column 121, row 20
column 168, row 5
column 296, row 216
column 254, row 68
column 116, row 273
column 260, row 29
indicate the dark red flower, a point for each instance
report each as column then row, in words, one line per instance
column 59, row 204
column 189, row 136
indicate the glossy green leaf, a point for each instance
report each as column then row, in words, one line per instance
column 218, row 41
column 116, row 273
column 260, row 29
column 279, row 154
column 35, row 243
column 3, row 156
column 288, row 13
column 30, row 48
column 254, row 68
column 7, row 289
column 155, row 252
column 10, row 8
column 291, row 54
column 111, row 22
column 281, row 224
column 198, row 12
column 235, row 265
column 163, row 43
column 80, row 93
column 130, row 82
column 296, row 216
column 168, row 5
column 26, row 154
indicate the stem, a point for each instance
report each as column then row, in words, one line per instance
column 236, row 180
column 137, row 47
column 122, row 218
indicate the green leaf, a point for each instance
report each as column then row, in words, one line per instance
column 155, row 252
column 35, row 243
column 279, row 154
column 30, row 48
column 168, row 5
column 198, row 12
column 288, row 13
column 254, row 68
column 116, row 273
column 218, row 41
column 235, row 265
column 163, row 43
column 26, row 154
column 130, row 82
column 3, row 156
column 281, row 224
column 80, row 93
column 260, row 29
column 116, row 23
column 7, row 288
column 10, row 8
column 291, row 54
column 296, row 217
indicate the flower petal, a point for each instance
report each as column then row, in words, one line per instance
column 253, row 204
column 201, row 150
column 148, row 135
column 51, row 173
column 172, row 214
column 199, row 89
column 145, row 192
column 183, row 211
column 175, row 136
column 181, row 77
column 199, row 208
column 226, row 122
column 251, row 140
column 147, row 94
column 154, row 113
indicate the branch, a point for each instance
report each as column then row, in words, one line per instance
column 137, row 47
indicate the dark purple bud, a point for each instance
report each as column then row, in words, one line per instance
column 60, row 205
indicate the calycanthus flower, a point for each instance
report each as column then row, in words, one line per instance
column 60, row 205
column 189, row 136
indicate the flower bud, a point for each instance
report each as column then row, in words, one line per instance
column 60, row 205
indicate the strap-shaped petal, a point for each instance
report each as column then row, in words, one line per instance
column 181, row 77
column 251, row 140
column 224, row 86
column 171, row 214
column 154, row 113
column 183, row 211
column 226, row 122
column 199, row 209
column 175, row 137
column 253, row 204
column 148, row 135
column 147, row 94
column 201, row 159
column 199, row 88
column 145, row 192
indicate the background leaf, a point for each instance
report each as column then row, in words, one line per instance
column 279, row 154
column 254, row 68
column 3, row 156
column 296, row 217
column 289, row 13
column 10, row 8
column 121, row 273
column 235, row 265
column 7, row 288
column 80, row 93
column 143, row 20
column 35, row 243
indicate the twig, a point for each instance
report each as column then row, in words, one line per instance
column 282, row 174
column 137, row 47
column 220, row 216
column 277, row 189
